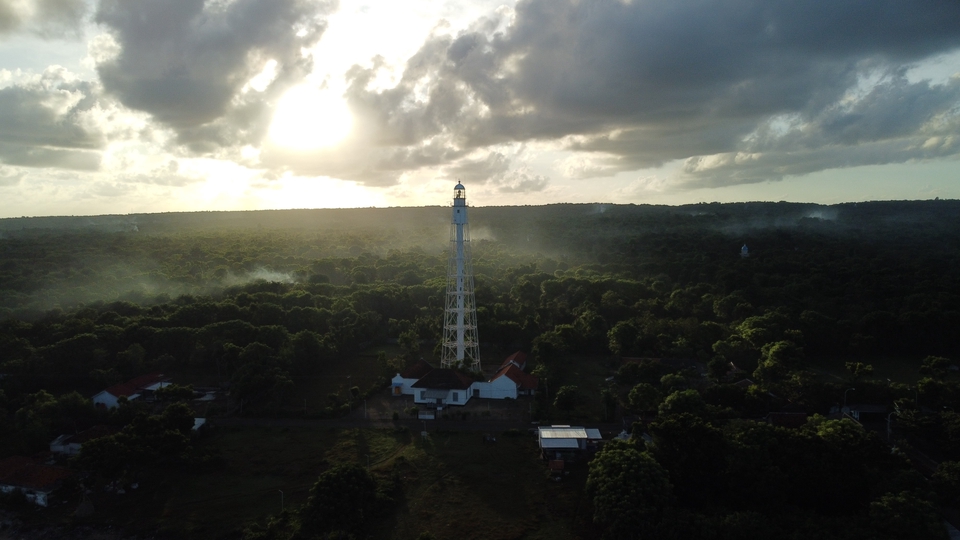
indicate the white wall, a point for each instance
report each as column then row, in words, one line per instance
column 38, row 498
column 500, row 388
column 463, row 396
column 106, row 399
column 405, row 385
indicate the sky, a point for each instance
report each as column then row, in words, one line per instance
column 132, row 106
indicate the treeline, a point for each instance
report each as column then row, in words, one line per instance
column 743, row 480
column 848, row 282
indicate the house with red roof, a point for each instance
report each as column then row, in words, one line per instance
column 35, row 480
column 443, row 387
column 518, row 359
column 142, row 386
column 526, row 384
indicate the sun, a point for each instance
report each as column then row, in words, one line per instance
column 308, row 119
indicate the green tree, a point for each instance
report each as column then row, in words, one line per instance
column 778, row 359
column 344, row 502
column 683, row 401
column 174, row 392
column 936, row 367
column 905, row 516
column 857, row 371
column 568, row 398
column 644, row 397
column 630, row 491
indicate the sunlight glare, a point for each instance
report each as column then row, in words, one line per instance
column 307, row 119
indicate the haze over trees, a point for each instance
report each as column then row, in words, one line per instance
column 830, row 299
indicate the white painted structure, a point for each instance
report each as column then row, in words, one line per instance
column 402, row 383
column 443, row 387
column 132, row 389
column 461, row 347
column 499, row 388
column 448, row 387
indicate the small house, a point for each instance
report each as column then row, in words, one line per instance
column 144, row 385
column 568, row 443
column 441, row 387
column 525, row 384
column 36, row 481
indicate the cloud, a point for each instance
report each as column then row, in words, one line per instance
column 43, row 122
column 10, row 176
column 632, row 85
column 49, row 19
column 494, row 169
column 493, row 165
column 165, row 175
column 521, row 181
column 187, row 63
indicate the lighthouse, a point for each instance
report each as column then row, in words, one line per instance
column 460, row 344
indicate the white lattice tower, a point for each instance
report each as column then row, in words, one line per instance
column 460, row 344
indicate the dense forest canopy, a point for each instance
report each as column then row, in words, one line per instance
column 265, row 300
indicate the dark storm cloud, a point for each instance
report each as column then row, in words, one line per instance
column 186, row 61
column 641, row 83
column 60, row 18
column 46, row 18
column 474, row 171
column 42, row 124
column 10, row 17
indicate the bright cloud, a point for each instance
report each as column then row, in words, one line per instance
column 250, row 104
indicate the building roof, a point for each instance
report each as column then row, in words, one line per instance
column 562, row 432
column 524, row 381
column 444, row 379
column 24, row 473
column 417, row 370
column 518, row 359
column 133, row 385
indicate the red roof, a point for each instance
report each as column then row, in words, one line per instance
column 417, row 370
column 524, row 380
column 518, row 358
column 22, row 472
column 134, row 385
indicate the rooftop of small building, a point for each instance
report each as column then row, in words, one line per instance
column 133, row 385
column 444, row 379
column 23, row 472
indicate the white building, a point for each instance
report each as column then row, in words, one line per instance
column 402, row 383
column 132, row 389
column 442, row 387
column 566, row 442
column 450, row 387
